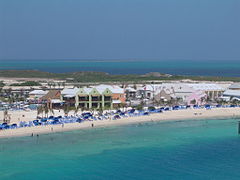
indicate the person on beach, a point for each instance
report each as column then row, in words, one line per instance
column 92, row 125
column 52, row 129
column 62, row 125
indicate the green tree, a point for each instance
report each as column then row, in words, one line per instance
column 59, row 84
column 46, row 110
column 40, row 110
column 151, row 108
column 5, row 116
column 66, row 109
column 139, row 107
column 2, row 84
column 76, row 110
column 27, row 83
column 193, row 101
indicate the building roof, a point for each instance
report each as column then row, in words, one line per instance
column 206, row 87
column 172, row 87
column 235, row 93
column 114, row 89
column 87, row 90
column 52, row 94
column 70, row 91
column 38, row 92
column 179, row 87
column 235, row 86
column 56, row 101
column 130, row 89
column 116, row 102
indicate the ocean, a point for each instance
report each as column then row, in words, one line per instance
column 175, row 67
column 195, row 149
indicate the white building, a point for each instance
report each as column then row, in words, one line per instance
column 235, row 86
column 36, row 94
column 213, row 91
column 232, row 93
column 68, row 95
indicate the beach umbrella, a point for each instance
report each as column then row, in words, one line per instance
column 44, row 120
column 145, row 113
column 14, row 126
column 132, row 111
column 116, row 117
column 79, row 120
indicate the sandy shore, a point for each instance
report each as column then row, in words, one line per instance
column 165, row 116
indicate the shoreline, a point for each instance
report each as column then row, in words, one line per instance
column 167, row 116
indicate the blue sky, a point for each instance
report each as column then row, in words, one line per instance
column 120, row 29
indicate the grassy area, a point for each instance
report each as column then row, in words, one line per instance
column 105, row 77
column 27, row 83
column 2, row 84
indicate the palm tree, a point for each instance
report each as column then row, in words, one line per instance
column 100, row 111
column 46, row 110
column 10, row 99
column 51, row 110
column 76, row 110
column 6, row 116
column 40, row 110
column 235, row 102
column 50, row 85
column 54, row 85
column 66, row 109
column 59, row 84
column 63, row 84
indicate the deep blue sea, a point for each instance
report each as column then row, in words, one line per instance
column 177, row 67
column 194, row 150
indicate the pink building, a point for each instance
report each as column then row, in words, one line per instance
column 196, row 98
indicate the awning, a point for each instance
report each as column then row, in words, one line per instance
column 69, row 96
column 116, row 102
column 56, row 101
column 225, row 98
column 235, row 98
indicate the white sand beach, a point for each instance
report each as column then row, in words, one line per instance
column 186, row 114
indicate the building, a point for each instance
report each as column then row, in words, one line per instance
column 180, row 93
column 102, row 96
column 68, row 96
column 213, row 91
column 149, row 91
column 53, row 98
column 118, row 94
column 164, row 95
column 230, row 95
column 94, row 98
column 235, row 86
column 131, row 93
column 196, row 98
column 37, row 94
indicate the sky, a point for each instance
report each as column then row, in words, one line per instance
column 120, row 29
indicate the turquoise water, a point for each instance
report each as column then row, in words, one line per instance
column 200, row 149
column 178, row 67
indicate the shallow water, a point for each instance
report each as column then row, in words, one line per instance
column 179, row 67
column 200, row 149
